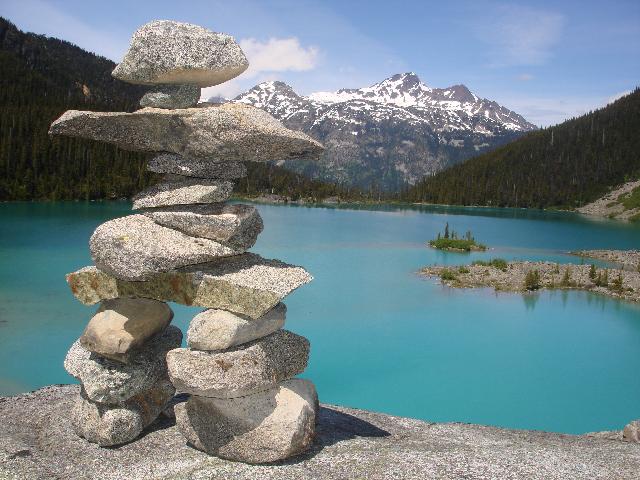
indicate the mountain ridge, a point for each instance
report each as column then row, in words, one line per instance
column 392, row 133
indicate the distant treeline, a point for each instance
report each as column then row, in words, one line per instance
column 566, row 165
column 41, row 78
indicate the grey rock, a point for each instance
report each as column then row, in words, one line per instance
column 172, row 96
column 135, row 248
column 236, row 226
column 349, row 443
column 178, row 190
column 246, row 284
column 165, row 51
column 219, row 329
column 112, row 383
column 229, row 132
column 122, row 325
column 196, row 167
column 631, row 432
column 242, row 370
column 266, row 427
column 109, row 425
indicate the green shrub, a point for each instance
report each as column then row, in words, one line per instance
column 463, row 269
column 447, row 274
column 632, row 199
column 602, row 280
column 616, row 284
column 532, row 280
column 456, row 243
column 566, row 279
column 499, row 263
column 592, row 272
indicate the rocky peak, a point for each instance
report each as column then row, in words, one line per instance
column 459, row 93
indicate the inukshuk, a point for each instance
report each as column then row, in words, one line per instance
column 185, row 245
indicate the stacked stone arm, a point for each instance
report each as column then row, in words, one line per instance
column 226, row 133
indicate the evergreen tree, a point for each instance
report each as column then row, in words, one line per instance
column 534, row 171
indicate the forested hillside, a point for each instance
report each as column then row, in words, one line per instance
column 41, row 78
column 566, row 165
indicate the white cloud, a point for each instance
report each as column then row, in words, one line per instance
column 266, row 59
column 278, row 55
column 519, row 35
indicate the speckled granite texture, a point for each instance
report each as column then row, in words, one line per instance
column 37, row 442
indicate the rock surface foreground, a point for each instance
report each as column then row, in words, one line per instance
column 37, row 442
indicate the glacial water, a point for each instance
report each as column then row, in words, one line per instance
column 383, row 337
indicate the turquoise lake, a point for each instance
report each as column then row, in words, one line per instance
column 383, row 338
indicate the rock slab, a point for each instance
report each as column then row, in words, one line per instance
column 37, row 443
column 236, row 226
column 631, row 432
column 122, row 325
column 246, row 284
column 219, row 329
column 230, row 132
column 172, row 97
column 112, row 383
column 135, row 248
column 196, row 167
column 268, row 426
column 165, row 51
column 109, row 425
column 243, row 370
column 178, row 190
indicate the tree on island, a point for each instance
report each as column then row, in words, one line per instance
column 450, row 241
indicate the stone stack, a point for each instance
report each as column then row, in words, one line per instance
column 185, row 245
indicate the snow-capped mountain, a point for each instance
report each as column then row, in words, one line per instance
column 391, row 133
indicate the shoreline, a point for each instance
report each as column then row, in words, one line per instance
column 336, row 202
column 551, row 276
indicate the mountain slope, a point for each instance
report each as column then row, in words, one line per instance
column 41, row 78
column 392, row 133
column 567, row 165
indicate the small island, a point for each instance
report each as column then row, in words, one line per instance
column 532, row 276
column 626, row 259
column 450, row 242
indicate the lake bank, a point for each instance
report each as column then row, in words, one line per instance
column 627, row 259
column 532, row 276
column 37, row 442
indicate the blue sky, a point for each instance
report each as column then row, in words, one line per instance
column 548, row 60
